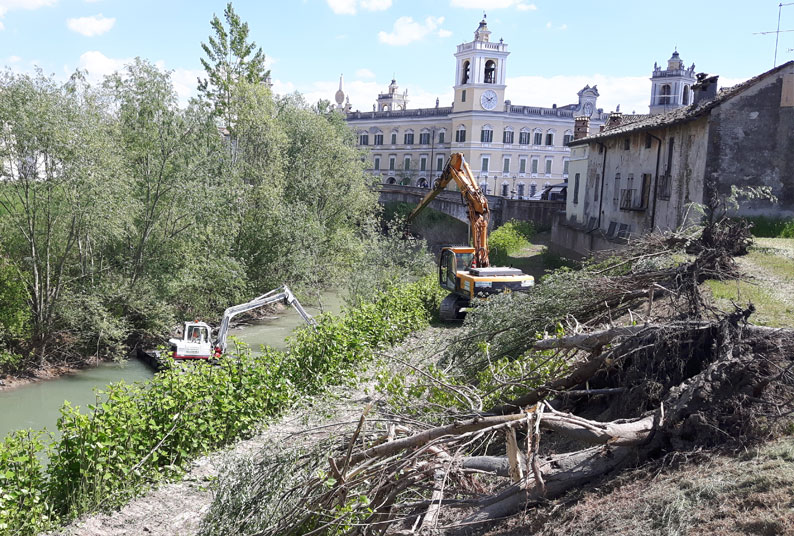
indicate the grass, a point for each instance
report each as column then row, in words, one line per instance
column 770, row 266
column 714, row 494
column 770, row 311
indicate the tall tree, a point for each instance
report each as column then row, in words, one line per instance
column 230, row 59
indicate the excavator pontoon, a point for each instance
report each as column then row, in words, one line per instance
column 466, row 270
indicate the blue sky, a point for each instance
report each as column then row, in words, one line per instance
column 556, row 46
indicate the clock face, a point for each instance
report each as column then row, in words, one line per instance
column 488, row 99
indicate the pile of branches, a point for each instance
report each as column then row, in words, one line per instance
column 631, row 393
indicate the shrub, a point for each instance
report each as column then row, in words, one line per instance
column 509, row 239
column 136, row 434
column 767, row 227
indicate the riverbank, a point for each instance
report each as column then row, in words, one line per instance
column 49, row 372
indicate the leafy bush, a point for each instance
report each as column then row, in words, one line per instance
column 509, row 239
column 766, row 227
column 137, row 434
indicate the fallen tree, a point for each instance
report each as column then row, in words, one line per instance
column 630, row 393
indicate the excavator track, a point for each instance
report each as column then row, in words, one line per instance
column 451, row 306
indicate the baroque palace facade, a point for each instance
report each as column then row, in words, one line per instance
column 514, row 151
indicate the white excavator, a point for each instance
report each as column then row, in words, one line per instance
column 197, row 341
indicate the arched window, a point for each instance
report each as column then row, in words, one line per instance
column 665, row 94
column 465, row 75
column 490, row 72
column 486, row 134
column 507, row 135
column 505, row 189
column 685, row 100
column 422, row 182
column 378, row 137
column 460, row 134
column 549, row 137
column 391, row 180
column 523, row 136
column 406, row 181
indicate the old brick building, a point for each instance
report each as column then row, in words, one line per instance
column 644, row 173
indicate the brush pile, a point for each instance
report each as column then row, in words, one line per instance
column 648, row 368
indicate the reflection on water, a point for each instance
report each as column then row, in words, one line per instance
column 38, row 405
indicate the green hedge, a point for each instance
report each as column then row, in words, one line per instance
column 140, row 433
column 509, row 239
column 766, row 227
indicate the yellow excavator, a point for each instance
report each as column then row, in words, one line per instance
column 466, row 270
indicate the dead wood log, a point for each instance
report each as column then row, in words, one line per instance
column 591, row 341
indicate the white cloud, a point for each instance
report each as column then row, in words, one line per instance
column 351, row 7
column 9, row 5
column 406, row 30
column 91, row 26
column 493, row 4
column 550, row 26
column 364, row 73
column 98, row 65
column 633, row 93
column 13, row 59
column 375, row 5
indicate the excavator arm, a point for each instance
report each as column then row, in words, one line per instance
column 273, row 296
column 457, row 169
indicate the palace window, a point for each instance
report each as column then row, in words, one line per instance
column 507, row 136
column 485, row 162
column 440, row 163
column 486, row 134
column 363, row 139
column 534, row 165
column 548, row 166
column 521, row 190
column 522, row 165
column 407, row 163
column 423, row 163
column 523, row 137
column 533, row 187
column 394, row 138
column 424, row 138
column 408, row 138
column 538, row 138
column 565, row 167
column 441, row 137
column 463, row 96
column 505, row 189
column 376, row 164
column 379, row 138
column 460, row 134
column 549, row 138
column 392, row 161
column 506, row 165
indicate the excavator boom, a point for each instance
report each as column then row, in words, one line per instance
column 476, row 202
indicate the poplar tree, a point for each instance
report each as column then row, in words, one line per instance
column 230, row 59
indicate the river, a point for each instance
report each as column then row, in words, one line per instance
column 37, row 405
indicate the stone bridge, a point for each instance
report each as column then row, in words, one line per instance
column 540, row 213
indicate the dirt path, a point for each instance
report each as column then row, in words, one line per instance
column 770, row 264
column 176, row 509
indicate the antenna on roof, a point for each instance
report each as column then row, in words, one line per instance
column 778, row 31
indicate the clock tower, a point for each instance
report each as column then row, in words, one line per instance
column 480, row 73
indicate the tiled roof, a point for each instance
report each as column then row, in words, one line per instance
column 680, row 115
column 626, row 119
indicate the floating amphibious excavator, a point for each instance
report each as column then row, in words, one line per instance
column 197, row 341
column 465, row 270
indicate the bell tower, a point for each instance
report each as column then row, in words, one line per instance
column 480, row 73
column 671, row 88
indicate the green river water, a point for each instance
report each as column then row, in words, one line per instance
column 37, row 405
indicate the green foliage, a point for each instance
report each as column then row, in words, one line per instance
column 231, row 59
column 509, row 239
column 23, row 505
column 767, row 227
column 14, row 308
column 137, row 434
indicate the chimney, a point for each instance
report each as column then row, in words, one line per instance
column 614, row 120
column 705, row 88
column 581, row 127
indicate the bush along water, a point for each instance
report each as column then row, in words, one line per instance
column 137, row 434
column 509, row 239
